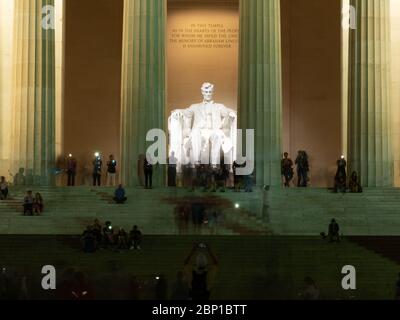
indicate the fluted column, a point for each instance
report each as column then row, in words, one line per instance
column 369, row 142
column 33, row 127
column 143, row 83
column 260, row 88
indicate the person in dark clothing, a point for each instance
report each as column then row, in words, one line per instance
column 201, row 276
column 354, row 183
column 28, row 204
column 89, row 242
column 135, row 238
column 97, row 229
column 341, row 176
column 302, row 169
column 122, row 239
column 172, row 163
column 71, row 170
column 3, row 188
column 111, row 171
column 333, row 232
column 148, row 172
column 161, row 288
column 108, row 235
column 97, row 167
column 287, row 169
column 119, row 195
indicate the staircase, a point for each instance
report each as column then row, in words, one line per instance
column 70, row 210
column 308, row 211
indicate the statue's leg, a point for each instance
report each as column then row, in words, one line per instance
column 216, row 143
column 196, row 146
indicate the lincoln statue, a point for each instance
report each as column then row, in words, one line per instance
column 203, row 132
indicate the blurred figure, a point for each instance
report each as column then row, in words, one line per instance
column 135, row 238
column 310, row 290
column 302, row 169
column 89, row 242
column 119, row 195
column 81, row 289
column 108, row 235
column 122, row 239
column 180, row 289
column 71, row 170
column 111, row 171
column 287, row 169
column 3, row 188
column 172, row 163
column 341, row 176
column 333, row 233
column 148, row 172
column 201, row 276
column 28, row 204
column 97, row 168
column 38, row 204
column 161, row 288
column 354, row 183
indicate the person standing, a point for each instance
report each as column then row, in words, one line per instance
column 71, row 170
column 201, row 276
column 148, row 172
column 172, row 170
column 3, row 188
column 135, row 236
column 302, row 169
column 97, row 166
column 111, row 171
column 287, row 169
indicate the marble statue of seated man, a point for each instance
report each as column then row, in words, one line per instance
column 199, row 133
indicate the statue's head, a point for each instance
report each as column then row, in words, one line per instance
column 207, row 90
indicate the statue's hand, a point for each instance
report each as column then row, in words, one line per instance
column 177, row 114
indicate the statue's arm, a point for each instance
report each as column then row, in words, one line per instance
column 186, row 113
column 228, row 112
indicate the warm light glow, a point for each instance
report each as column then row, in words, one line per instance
column 395, row 89
column 6, row 49
column 237, row 206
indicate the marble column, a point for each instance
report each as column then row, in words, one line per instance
column 33, row 123
column 369, row 115
column 143, row 85
column 260, row 85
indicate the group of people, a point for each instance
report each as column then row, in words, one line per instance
column 98, row 236
column 200, row 214
column 303, row 168
column 341, row 179
column 33, row 204
column 111, row 164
